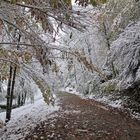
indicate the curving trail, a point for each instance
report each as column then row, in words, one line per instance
column 81, row 119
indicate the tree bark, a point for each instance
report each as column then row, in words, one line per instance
column 8, row 95
column 12, row 88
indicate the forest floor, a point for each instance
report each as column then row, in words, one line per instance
column 86, row 119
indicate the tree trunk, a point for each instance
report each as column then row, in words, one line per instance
column 11, row 83
column 25, row 97
column 18, row 100
column 8, row 95
column 12, row 88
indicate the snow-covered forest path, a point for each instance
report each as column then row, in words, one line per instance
column 82, row 119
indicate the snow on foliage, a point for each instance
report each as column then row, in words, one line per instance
column 125, row 52
column 92, row 48
column 119, row 13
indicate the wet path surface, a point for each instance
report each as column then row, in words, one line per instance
column 81, row 119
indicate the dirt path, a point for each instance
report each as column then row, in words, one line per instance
column 80, row 119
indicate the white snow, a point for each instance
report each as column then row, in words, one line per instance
column 70, row 90
column 26, row 118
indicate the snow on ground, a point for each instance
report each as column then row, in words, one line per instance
column 26, row 118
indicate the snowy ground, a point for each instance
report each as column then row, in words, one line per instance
column 26, row 118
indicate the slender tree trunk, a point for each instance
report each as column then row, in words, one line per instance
column 12, row 88
column 11, row 83
column 25, row 97
column 8, row 95
column 10, row 91
column 18, row 100
column 21, row 100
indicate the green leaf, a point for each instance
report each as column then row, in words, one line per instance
column 103, row 1
column 67, row 2
column 13, row 1
column 67, row 16
column 93, row 2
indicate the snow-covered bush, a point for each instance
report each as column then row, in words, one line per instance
column 118, row 15
column 125, row 53
column 110, row 86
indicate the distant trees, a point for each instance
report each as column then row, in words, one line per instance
column 117, row 22
column 119, row 15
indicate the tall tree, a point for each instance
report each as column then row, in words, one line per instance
column 8, row 109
